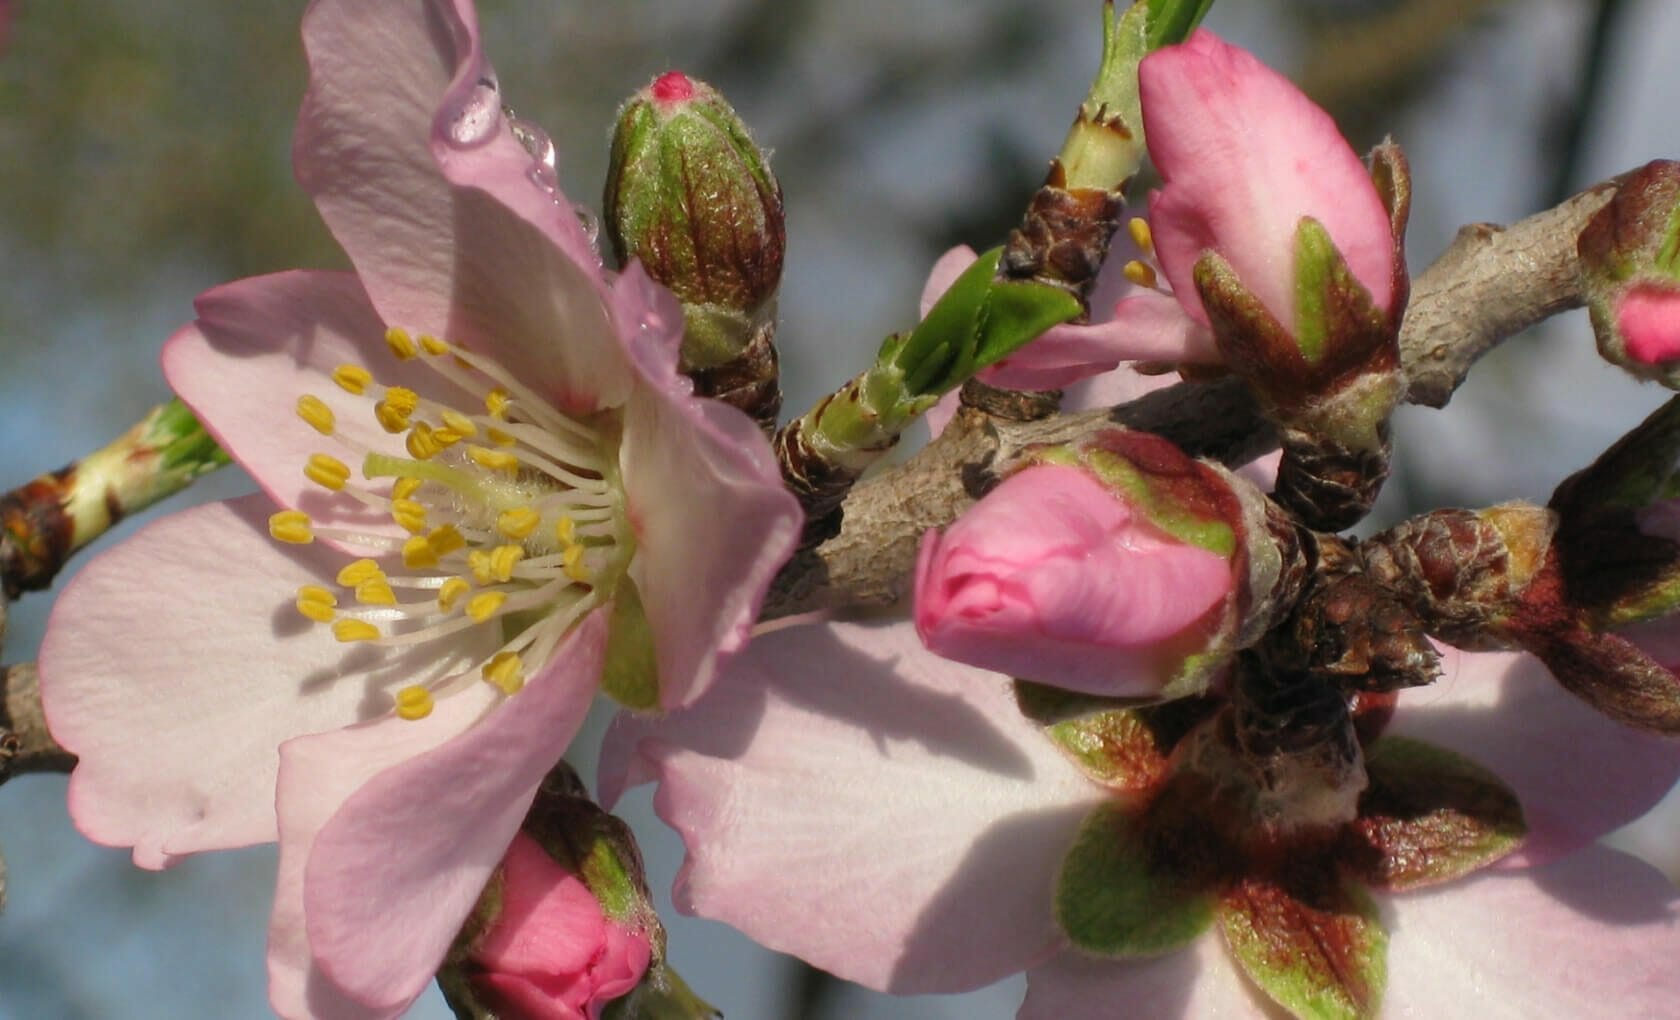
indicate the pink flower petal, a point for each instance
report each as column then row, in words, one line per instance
column 852, row 800
column 261, row 343
column 1196, row 983
column 1245, row 155
column 1595, row 934
column 403, row 831
column 175, row 663
column 1648, row 318
column 1053, row 578
column 450, row 239
column 1577, row 774
column 945, row 271
column 688, row 460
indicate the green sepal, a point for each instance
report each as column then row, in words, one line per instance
column 661, row 995
column 1429, row 815
column 1638, row 469
column 978, row 322
column 1209, row 533
column 1315, row 259
column 1116, row 748
column 1311, row 941
column 1172, row 21
column 1117, row 895
column 630, row 674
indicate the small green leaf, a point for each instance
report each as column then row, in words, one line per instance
column 1430, row 815
column 1315, row 945
column 1116, row 748
column 1172, row 21
column 1117, row 896
column 1017, row 313
column 630, row 674
column 1315, row 264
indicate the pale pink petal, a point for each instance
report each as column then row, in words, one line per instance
column 1262, row 471
column 689, row 461
column 1577, row 774
column 939, row 415
column 1195, row 983
column 1245, row 155
column 1148, row 326
column 406, row 849
column 1596, row 934
column 472, row 250
column 1648, row 319
column 261, row 343
column 1111, row 389
column 175, row 663
column 1052, row 577
column 850, row 799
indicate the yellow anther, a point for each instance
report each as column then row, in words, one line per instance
column 326, row 471
column 417, row 553
column 484, row 605
column 357, row 572
column 291, row 526
column 451, row 592
column 499, row 437
column 316, row 603
column 503, row 559
column 565, row 530
column 1142, row 236
column 414, row 702
column 1140, row 273
column 391, row 419
column 496, row 402
column 432, row 345
column 401, row 344
column 352, row 378
column 447, row 437
column 422, row 445
column 493, row 460
column 402, row 398
column 409, row 515
column 459, row 423
column 355, row 630
column 445, row 539
column 376, row 591
column 478, row 561
column 405, row 488
column 315, row 411
column 506, row 672
column 518, row 523
column 571, row 561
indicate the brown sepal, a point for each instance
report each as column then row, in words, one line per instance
column 1452, row 568
column 1328, row 484
column 1392, row 174
column 1613, row 675
column 1063, row 237
column 751, row 381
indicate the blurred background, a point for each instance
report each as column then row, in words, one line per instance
column 146, row 158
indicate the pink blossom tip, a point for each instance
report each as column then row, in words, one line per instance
column 1648, row 317
column 552, row 953
column 1055, row 577
column 672, row 87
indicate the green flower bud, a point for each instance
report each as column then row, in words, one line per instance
column 691, row 197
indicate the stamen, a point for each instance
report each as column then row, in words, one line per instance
column 417, row 553
column 506, row 672
column 1140, row 273
column 401, row 344
column 1142, row 236
column 291, row 526
column 409, row 515
column 565, row 530
column 502, row 561
column 352, row 378
column 496, row 402
column 376, row 591
column 327, row 471
column 451, row 593
column 432, row 345
column 483, row 606
column 499, row 437
column 315, row 411
column 404, row 488
column 357, row 572
column 421, row 443
column 413, row 702
column 518, row 523
column 478, row 561
column 571, row 560
column 445, row 539
column 355, row 630
column 458, row 423
column 395, row 408
column 493, row 460
column 316, row 603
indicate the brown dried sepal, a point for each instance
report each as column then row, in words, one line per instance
column 1328, row 484
column 1063, row 237
column 751, row 381
column 36, row 534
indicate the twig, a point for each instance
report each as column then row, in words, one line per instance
column 25, row 744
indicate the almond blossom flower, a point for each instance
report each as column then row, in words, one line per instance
column 486, row 493
column 896, row 820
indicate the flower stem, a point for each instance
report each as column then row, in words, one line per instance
column 45, row 520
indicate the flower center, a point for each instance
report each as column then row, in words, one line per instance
column 513, row 514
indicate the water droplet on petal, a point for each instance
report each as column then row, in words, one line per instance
column 543, row 172
column 591, row 222
column 475, row 121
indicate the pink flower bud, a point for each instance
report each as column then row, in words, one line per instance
column 1648, row 318
column 1061, row 578
column 552, row 953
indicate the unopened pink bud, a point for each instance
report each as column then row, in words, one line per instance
column 1057, row 577
column 551, row 953
column 1648, row 318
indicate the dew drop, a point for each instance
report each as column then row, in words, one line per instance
column 543, row 172
column 591, row 222
column 475, row 121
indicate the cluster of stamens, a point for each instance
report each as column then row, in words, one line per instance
column 1142, row 271
column 509, row 514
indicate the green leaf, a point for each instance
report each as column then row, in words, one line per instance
column 630, row 674
column 1430, row 815
column 1117, row 895
column 1311, row 941
column 1018, row 312
column 1116, row 748
column 1172, row 21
